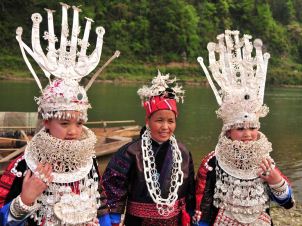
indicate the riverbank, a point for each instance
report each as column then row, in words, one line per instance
column 118, row 71
column 190, row 82
column 283, row 217
column 196, row 79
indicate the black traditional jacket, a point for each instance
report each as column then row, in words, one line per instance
column 124, row 179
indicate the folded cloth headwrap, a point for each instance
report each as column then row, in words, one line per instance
column 160, row 103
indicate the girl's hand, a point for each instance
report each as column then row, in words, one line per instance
column 268, row 172
column 94, row 222
column 34, row 184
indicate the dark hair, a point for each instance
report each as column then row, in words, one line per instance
column 169, row 93
column 143, row 129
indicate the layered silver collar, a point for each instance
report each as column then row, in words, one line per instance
column 71, row 159
column 242, row 159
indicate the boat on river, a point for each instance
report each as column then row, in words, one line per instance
column 17, row 128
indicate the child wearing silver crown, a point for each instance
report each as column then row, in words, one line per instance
column 153, row 176
column 236, row 183
column 56, row 181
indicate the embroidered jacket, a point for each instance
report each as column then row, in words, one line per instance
column 125, row 183
column 205, row 187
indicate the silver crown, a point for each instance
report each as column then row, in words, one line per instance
column 240, row 76
column 159, row 86
column 68, row 64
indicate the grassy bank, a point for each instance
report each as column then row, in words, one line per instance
column 285, row 73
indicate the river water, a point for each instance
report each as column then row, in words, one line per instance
column 197, row 126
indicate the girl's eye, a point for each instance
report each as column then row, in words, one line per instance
column 80, row 123
column 64, row 123
column 240, row 129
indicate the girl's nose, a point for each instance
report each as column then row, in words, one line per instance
column 247, row 132
column 72, row 130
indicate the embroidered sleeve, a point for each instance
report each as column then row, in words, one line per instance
column 103, row 209
column 205, row 185
column 115, row 180
column 201, row 178
column 6, row 182
column 190, row 199
column 282, row 192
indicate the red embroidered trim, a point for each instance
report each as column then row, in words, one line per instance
column 265, row 217
column 6, row 181
column 202, row 178
column 149, row 210
column 282, row 175
column 225, row 220
column 160, row 103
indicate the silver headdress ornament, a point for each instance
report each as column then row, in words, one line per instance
column 241, row 78
column 159, row 87
column 67, row 64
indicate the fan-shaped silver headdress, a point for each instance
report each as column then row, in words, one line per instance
column 241, row 78
column 67, row 64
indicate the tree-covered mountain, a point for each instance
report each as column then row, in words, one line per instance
column 164, row 31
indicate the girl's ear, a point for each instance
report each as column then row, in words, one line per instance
column 46, row 123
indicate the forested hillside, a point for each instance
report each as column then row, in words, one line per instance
column 153, row 33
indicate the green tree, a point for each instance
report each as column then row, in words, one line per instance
column 208, row 27
column 298, row 10
column 283, row 11
column 295, row 37
column 243, row 13
column 267, row 28
column 223, row 8
column 173, row 28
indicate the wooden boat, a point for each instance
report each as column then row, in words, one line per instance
column 17, row 128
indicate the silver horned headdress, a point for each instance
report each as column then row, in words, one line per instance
column 159, row 86
column 241, row 78
column 163, row 94
column 68, row 64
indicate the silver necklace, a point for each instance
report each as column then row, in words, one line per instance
column 164, row 206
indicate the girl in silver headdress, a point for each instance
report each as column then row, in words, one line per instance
column 236, row 182
column 56, row 181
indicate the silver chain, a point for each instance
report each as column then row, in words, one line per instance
column 164, row 206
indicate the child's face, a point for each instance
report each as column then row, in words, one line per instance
column 242, row 134
column 69, row 129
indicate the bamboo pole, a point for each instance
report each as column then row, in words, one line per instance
column 99, row 71
column 17, row 127
column 12, row 139
column 110, row 122
column 12, row 155
column 24, row 135
column 8, row 149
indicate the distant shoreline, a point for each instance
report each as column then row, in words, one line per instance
column 116, row 81
column 134, row 81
